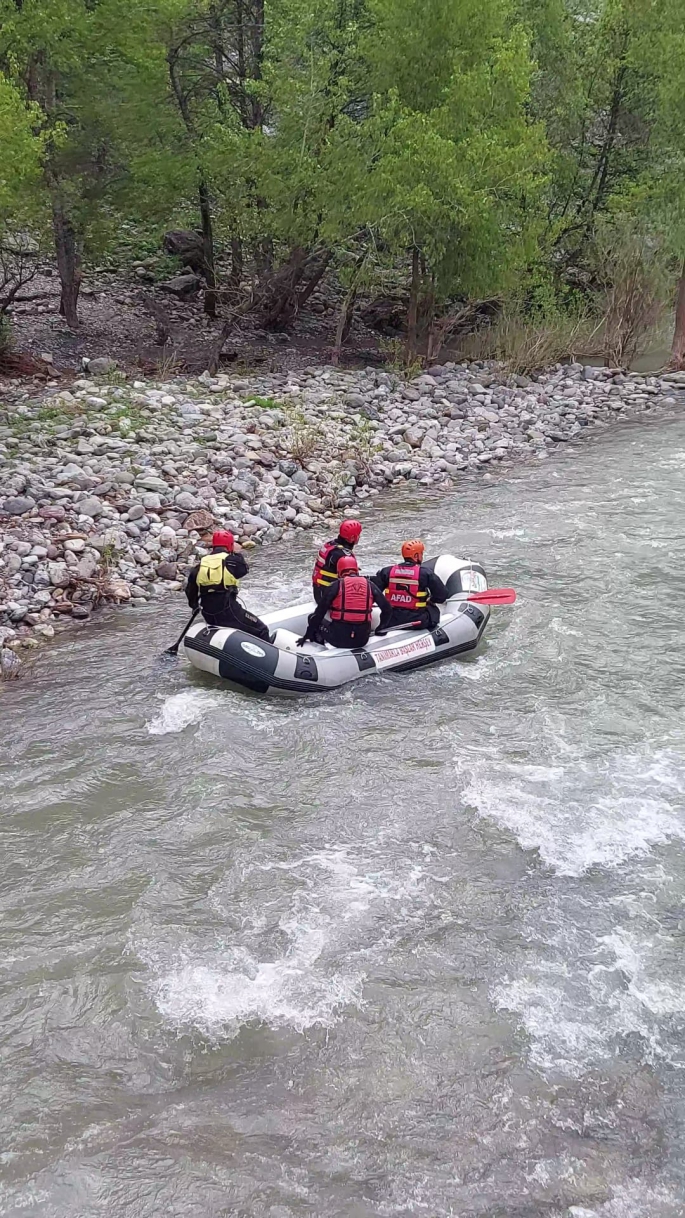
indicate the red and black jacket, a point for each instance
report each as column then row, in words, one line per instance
column 326, row 565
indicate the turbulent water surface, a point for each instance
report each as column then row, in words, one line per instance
column 414, row 949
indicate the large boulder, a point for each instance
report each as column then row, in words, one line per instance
column 100, row 366
column 19, row 506
column 182, row 286
column 59, row 574
column 90, row 506
column 118, row 589
column 199, row 521
column 187, row 246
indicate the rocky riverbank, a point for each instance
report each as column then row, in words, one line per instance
column 107, row 487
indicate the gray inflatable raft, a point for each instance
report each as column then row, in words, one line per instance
column 283, row 668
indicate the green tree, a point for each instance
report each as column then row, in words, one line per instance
column 452, row 167
column 21, row 197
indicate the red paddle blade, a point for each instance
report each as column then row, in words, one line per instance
column 494, row 596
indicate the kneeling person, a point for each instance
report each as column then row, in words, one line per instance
column 349, row 600
column 213, row 585
column 412, row 590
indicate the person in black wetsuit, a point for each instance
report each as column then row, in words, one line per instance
column 412, row 590
column 349, row 600
column 213, row 585
column 326, row 565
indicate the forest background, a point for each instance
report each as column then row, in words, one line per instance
column 511, row 171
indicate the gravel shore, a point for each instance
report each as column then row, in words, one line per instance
column 107, row 487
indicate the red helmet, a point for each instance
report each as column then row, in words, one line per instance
column 350, row 530
column 223, row 540
column 347, row 565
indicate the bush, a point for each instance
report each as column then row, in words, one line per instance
column 634, row 278
column 5, row 335
column 525, row 346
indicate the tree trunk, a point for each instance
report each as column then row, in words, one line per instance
column 435, row 340
column 344, row 325
column 314, row 280
column 289, row 288
column 207, row 248
column 413, row 313
column 347, row 310
column 263, row 251
column 280, row 296
column 202, row 187
column 162, row 326
column 678, row 348
column 68, row 261
column 257, row 41
column 236, row 276
column 426, row 303
column 214, row 356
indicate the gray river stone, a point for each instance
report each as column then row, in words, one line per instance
column 19, row 506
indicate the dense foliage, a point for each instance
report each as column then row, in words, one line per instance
column 510, row 149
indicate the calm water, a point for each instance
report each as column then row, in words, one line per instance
column 413, row 950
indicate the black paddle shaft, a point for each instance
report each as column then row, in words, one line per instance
column 173, row 651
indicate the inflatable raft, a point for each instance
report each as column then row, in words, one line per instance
column 281, row 667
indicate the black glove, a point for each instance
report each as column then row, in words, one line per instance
column 381, row 633
column 301, row 642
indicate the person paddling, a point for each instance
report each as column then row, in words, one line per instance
column 213, row 584
column 349, row 600
column 326, row 565
column 412, row 590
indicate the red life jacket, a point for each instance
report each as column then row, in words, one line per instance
column 353, row 602
column 322, row 576
column 403, row 591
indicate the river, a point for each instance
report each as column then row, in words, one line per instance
column 416, row 949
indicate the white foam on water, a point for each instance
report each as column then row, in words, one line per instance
column 320, row 907
column 181, row 710
column 590, row 812
column 581, row 998
column 659, row 997
column 560, row 627
column 503, row 534
column 634, row 1199
column 236, row 988
column 673, row 461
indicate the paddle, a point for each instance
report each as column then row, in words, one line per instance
column 173, row 651
column 494, row 596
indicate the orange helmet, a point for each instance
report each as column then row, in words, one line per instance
column 413, row 550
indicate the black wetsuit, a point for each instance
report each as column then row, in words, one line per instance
column 220, row 606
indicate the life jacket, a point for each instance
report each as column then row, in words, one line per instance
column 322, row 576
column 403, row 591
column 353, row 602
column 214, row 576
